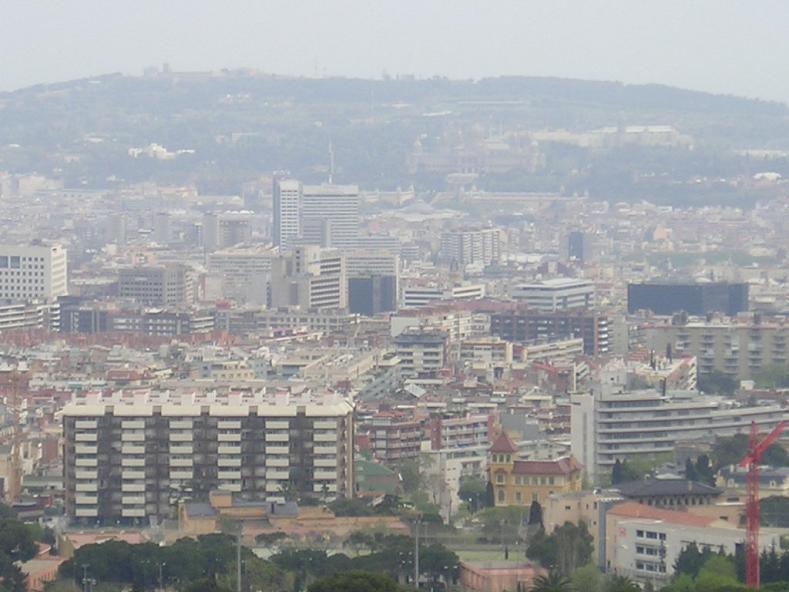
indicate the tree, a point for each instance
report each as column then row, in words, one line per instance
column 730, row 450
column 564, row 550
column 690, row 560
column 501, row 524
column 587, row 578
column 704, row 470
column 535, row 514
column 619, row 583
column 206, row 585
column 773, row 376
column 690, row 471
column 16, row 544
column 472, row 491
column 355, row 581
column 412, row 478
column 616, row 473
column 553, row 582
column 717, row 383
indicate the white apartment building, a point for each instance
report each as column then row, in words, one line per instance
column 471, row 246
column 310, row 278
column 33, row 272
column 330, row 215
column 287, row 198
column 611, row 423
column 244, row 273
column 556, row 294
column 129, row 459
column 416, row 295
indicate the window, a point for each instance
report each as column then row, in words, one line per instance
column 500, row 478
column 502, row 496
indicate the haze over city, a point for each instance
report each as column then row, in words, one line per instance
column 351, row 296
column 721, row 47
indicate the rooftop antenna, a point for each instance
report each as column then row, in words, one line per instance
column 331, row 162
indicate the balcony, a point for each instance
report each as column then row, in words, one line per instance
column 324, row 462
column 324, row 424
column 277, row 450
column 226, row 449
column 277, row 425
column 274, row 437
column 91, row 486
column 319, row 487
column 86, row 512
column 233, row 487
column 133, row 500
column 229, row 425
column 87, row 474
column 181, row 449
column 277, row 462
column 132, row 462
column 229, row 475
column 132, row 449
column 324, row 449
column 325, row 474
column 181, row 474
column 275, row 474
column 86, row 437
column 322, row 437
column 86, row 449
column 132, row 474
column 133, row 424
column 132, row 487
column 133, row 512
column 133, row 437
column 229, row 462
column 181, row 462
column 229, row 437
column 86, row 424
column 180, row 436
column 181, row 424
column 87, row 462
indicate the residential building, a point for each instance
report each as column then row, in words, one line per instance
column 471, row 430
column 286, row 200
column 309, row 277
column 643, row 542
column 611, row 423
column 33, row 272
column 738, row 348
column 394, row 438
column 420, row 295
column 422, row 352
column 243, row 272
column 519, row 482
column 471, row 246
column 128, row 459
column 693, row 298
column 556, row 294
column 157, row 285
column 226, row 229
column 522, row 325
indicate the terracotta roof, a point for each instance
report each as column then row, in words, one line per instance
column 503, row 443
column 560, row 466
column 636, row 510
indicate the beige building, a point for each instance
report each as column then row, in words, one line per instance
column 737, row 348
column 33, row 272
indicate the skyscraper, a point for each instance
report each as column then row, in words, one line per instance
column 287, row 200
column 330, row 215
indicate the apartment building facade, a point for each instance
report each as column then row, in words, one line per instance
column 522, row 325
column 309, row 277
column 739, row 349
column 129, row 459
column 556, row 294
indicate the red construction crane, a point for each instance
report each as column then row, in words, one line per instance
column 751, row 460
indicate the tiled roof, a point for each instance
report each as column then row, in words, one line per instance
column 651, row 487
column 560, row 466
column 503, row 443
column 636, row 510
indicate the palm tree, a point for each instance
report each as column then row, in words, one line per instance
column 553, row 582
column 618, row 583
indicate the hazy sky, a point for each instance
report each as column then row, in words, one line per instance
column 727, row 46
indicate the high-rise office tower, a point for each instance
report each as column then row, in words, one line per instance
column 330, row 215
column 33, row 272
column 309, row 277
column 287, row 200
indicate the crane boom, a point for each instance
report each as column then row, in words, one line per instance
column 752, row 459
